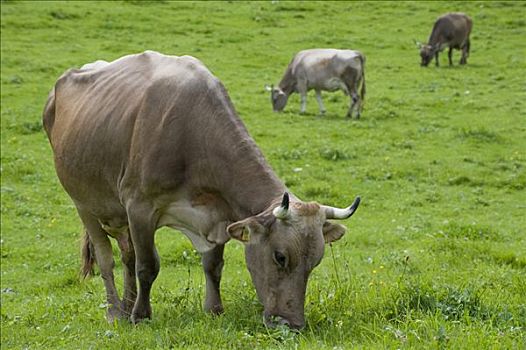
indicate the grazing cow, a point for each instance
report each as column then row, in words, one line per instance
column 450, row 30
column 151, row 140
column 322, row 69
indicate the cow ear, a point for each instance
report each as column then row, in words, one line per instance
column 332, row 232
column 245, row 230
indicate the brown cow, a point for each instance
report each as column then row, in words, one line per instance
column 450, row 30
column 151, row 140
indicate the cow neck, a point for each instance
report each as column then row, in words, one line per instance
column 434, row 38
column 257, row 187
column 288, row 83
column 239, row 170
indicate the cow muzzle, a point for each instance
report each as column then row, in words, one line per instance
column 273, row 321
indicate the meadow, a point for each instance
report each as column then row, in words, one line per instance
column 435, row 257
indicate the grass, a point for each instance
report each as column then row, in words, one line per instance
column 434, row 258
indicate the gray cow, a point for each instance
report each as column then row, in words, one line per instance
column 151, row 140
column 322, row 69
column 450, row 30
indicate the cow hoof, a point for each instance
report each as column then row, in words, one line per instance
column 115, row 314
column 139, row 319
column 140, row 316
column 215, row 310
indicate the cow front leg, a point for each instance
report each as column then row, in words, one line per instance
column 213, row 266
column 449, row 54
column 436, row 59
column 465, row 53
column 303, row 105
column 130, row 279
column 320, row 102
column 104, row 257
column 147, row 264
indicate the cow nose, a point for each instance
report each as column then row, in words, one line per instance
column 281, row 321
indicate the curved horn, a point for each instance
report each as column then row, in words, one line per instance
column 337, row 213
column 282, row 212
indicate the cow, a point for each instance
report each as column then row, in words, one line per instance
column 450, row 30
column 151, row 140
column 322, row 69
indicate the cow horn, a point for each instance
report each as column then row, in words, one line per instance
column 268, row 87
column 418, row 44
column 337, row 213
column 282, row 212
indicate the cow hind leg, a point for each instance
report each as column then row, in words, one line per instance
column 142, row 230
column 351, row 81
column 130, row 280
column 355, row 105
column 449, row 54
column 213, row 266
column 355, row 101
column 104, row 258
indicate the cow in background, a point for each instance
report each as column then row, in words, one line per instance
column 450, row 30
column 322, row 69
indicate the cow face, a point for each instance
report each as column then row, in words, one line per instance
column 282, row 246
column 279, row 99
column 426, row 53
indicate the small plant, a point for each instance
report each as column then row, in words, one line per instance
column 480, row 135
column 471, row 232
column 334, row 154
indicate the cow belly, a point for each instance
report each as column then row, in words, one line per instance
column 334, row 84
column 444, row 45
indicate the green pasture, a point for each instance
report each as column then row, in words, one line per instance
column 435, row 257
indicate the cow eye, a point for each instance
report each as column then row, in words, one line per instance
column 280, row 259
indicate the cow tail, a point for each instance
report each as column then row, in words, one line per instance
column 87, row 253
column 362, row 91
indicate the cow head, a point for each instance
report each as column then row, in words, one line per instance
column 426, row 53
column 278, row 98
column 283, row 245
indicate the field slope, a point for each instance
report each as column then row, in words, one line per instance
column 435, row 257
